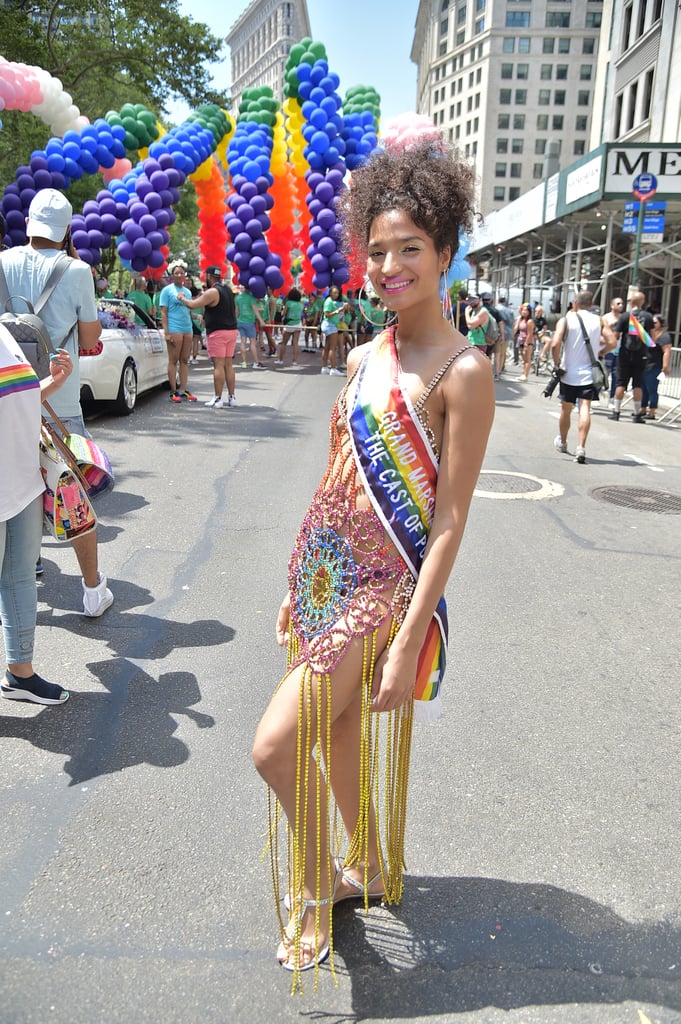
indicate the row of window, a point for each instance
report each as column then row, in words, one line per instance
column 554, row 19
column 504, row 122
column 475, row 53
column 632, row 105
column 637, row 21
column 546, row 71
column 500, row 194
column 550, row 44
column 518, row 146
column 519, row 97
column 474, row 78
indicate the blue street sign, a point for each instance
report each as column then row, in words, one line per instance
column 654, row 204
column 644, row 185
column 651, row 225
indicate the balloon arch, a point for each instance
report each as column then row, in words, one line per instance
column 253, row 178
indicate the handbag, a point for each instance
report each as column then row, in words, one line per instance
column 598, row 370
column 92, row 461
column 67, row 510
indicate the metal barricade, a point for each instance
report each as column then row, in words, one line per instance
column 671, row 389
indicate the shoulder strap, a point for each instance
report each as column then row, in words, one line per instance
column 62, row 264
column 423, row 397
column 587, row 342
column 4, row 290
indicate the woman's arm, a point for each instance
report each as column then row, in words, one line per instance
column 468, row 395
column 61, row 367
column 208, row 298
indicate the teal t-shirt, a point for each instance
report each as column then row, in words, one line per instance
column 294, row 312
column 245, row 308
column 179, row 317
column 332, row 309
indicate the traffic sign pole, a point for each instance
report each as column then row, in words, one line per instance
column 644, row 187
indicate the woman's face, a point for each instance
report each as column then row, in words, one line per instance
column 335, row 293
column 178, row 275
column 403, row 264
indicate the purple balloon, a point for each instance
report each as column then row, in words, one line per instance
column 141, row 247
column 326, row 246
column 156, row 238
column 317, row 232
column 257, row 265
column 143, row 187
column 93, row 222
column 15, row 220
column 249, row 190
column 319, row 262
column 336, row 259
column 156, row 258
column 341, row 276
column 242, row 259
column 111, row 224
column 254, row 229
column 324, row 192
column 153, row 202
column 321, row 279
column 326, row 218
column 273, row 277
column 139, row 263
column 132, row 231
column 243, row 241
column 162, row 217
column 125, row 250
column 315, row 207
column 259, row 205
column 260, row 248
column 335, row 178
column 98, row 240
column 159, row 181
column 257, row 286
column 147, row 223
column 86, row 256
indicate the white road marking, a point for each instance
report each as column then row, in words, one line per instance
column 642, row 462
column 547, row 488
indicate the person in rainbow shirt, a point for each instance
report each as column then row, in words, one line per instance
column 21, row 515
column 364, row 618
column 633, row 331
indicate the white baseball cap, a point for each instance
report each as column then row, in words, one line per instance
column 49, row 215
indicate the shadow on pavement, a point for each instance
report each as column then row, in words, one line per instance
column 456, row 945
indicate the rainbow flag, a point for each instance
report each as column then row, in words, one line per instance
column 17, row 377
column 399, row 471
column 637, row 330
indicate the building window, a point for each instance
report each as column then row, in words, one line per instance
column 540, row 146
column 631, row 109
column 509, row 44
column 476, row 124
column 516, row 170
column 524, row 44
column 562, row 72
column 578, row 148
column 519, row 122
column 451, row 112
column 521, row 97
column 461, row 15
column 522, row 71
column 557, row 122
column 479, row 26
column 548, row 45
column 585, row 72
column 542, row 122
column 589, row 46
column 517, row 145
column 457, row 132
column 513, row 193
column 618, row 113
column 452, row 88
column 559, row 97
column 477, row 101
column 583, row 98
column 546, row 72
column 593, row 19
column 557, row 19
column 444, row 25
column 563, row 46
column 507, row 71
column 502, row 145
column 544, row 97
column 517, row 19
column 503, row 122
column 647, row 94
column 480, row 5
column 499, row 193
column 468, row 127
column 581, row 123
column 469, row 104
column 500, row 170
column 504, row 97
column 442, row 49
column 478, row 76
column 537, row 171
column 458, row 109
column 461, row 37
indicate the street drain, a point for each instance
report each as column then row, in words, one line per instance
column 642, row 499
column 493, row 483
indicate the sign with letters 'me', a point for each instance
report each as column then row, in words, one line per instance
column 625, row 163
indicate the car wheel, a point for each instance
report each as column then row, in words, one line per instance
column 127, row 391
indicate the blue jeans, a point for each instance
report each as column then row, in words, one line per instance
column 20, row 539
column 650, row 396
column 610, row 360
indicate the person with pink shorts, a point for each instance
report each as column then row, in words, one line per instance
column 219, row 319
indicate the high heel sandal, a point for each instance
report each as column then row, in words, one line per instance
column 305, row 947
column 338, row 875
column 359, row 887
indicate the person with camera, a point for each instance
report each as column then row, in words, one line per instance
column 574, row 369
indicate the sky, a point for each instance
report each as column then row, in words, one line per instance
column 368, row 43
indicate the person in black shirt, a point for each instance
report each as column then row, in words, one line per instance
column 219, row 320
column 632, row 358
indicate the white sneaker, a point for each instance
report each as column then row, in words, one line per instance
column 333, row 372
column 97, row 599
column 559, row 444
column 580, row 455
column 231, row 400
column 212, row 401
column 278, row 362
column 219, row 404
column 325, row 369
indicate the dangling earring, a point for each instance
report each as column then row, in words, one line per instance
column 447, row 310
column 387, row 323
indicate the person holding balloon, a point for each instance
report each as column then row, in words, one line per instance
column 177, row 330
column 364, row 617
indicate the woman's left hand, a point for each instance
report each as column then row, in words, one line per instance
column 61, row 367
column 394, row 678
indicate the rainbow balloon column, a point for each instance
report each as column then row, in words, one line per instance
column 249, row 155
column 361, row 113
column 210, row 188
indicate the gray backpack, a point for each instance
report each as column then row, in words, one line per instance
column 27, row 329
column 491, row 327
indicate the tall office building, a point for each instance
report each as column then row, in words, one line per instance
column 260, row 41
column 503, row 78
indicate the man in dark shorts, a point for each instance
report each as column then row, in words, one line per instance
column 569, row 351
column 632, row 358
column 221, row 333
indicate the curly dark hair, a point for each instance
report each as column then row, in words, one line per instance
column 432, row 184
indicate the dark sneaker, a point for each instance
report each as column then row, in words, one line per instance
column 39, row 567
column 638, row 417
column 34, row 689
column 614, row 415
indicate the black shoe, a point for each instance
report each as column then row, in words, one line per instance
column 638, row 417
column 34, row 689
column 39, row 567
column 614, row 416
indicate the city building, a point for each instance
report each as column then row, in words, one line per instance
column 260, row 41
column 582, row 226
column 503, row 79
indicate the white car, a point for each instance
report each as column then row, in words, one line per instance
column 131, row 357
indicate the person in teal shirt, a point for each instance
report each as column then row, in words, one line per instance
column 293, row 325
column 247, row 315
column 332, row 310
column 177, row 331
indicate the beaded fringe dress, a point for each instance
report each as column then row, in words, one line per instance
column 350, row 583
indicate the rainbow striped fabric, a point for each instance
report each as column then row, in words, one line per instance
column 637, row 330
column 399, row 472
column 17, row 377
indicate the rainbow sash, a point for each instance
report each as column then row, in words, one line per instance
column 399, row 472
column 637, row 330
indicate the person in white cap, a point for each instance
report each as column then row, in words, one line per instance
column 70, row 316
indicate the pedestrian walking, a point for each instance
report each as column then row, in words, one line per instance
column 633, row 334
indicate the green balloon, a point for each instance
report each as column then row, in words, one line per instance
column 308, row 57
column 296, row 52
column 319, row 50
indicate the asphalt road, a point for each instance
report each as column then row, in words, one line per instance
column 543, row 857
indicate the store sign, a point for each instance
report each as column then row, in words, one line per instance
column 625, row 164
column 583, row 180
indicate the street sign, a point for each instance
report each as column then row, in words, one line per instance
column 651, row 225
column 654, row 204
column 644, row 186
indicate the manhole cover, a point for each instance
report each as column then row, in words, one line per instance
column 643, row 499
column 500, row 483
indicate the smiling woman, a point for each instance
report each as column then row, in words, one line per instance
column 364, row 617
